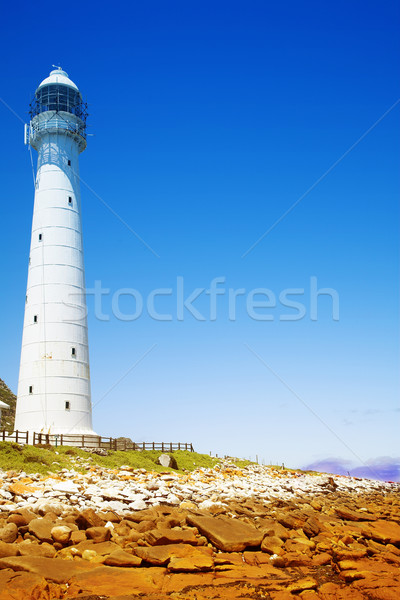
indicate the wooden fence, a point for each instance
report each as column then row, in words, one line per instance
column 20, row 437
column 92, row 441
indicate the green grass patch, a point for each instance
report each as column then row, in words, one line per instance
column 34, row 459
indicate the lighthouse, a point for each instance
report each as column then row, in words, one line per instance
column 54, row 381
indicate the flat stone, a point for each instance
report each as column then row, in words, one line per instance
column 382, row 531
column 28, row 548
column 308, row 583
column 272, row 545
column 160, row 537
column 107, row 580
column 161, row 555
column 22, row 586
column 52, row 569
column 229, row 535
column 8, row 549
column 120, row 558
column 351, row 515
column 41, row 529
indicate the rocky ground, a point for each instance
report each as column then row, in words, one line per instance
column 231, row 533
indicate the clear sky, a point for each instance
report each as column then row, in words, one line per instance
column 209, row 121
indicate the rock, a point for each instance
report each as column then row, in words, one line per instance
column 89, row 555
column 88, row 518
column 272, row 545
column 168, row 461
column 61, row 534
column 382, row 531
column 101, row 548
column 190, row 563
column 120, row 558
column 229, row 535
column 23, row 586
column 308, row 583
column 8, row 549
column 138, row 505
column 67, row 487
column 161, row 555
column 351, row 515
column 22, row 517
column 41, row 529
column 98, row 534
column 160, row 537
column 9, row 533
column 77, row 537
column 28, row 548
column 107, row 581
column 53, row 569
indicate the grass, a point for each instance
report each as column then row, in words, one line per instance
column 35, row 459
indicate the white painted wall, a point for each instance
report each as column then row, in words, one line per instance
column 55, row 294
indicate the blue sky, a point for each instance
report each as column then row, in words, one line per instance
column 209, row 121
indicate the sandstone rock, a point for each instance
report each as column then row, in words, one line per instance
column 101, row 548
column 23, row 586
column 52, row 569
column 190, row 563
column 22, row 517
column 351, row 515
column 28, row 548
column 61, row 534
column 105, row 581
column 77, row 537
column 8, row 549
column 382, row 531
column 272, row 545
column 88, row 518
column 160, row 537
column 98, row 534
column 227, row 534
column 161, row 555
column 120, row 558
column 41, row 529
column 308, row 583
column 9, row 533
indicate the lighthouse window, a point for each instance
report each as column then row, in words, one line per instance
column 31, row 389
column 35, row 318
column 67, row 405
column 40, row 237
column 69, row 163
column 73, row 352
column 69, row 199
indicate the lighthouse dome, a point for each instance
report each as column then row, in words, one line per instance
column 60, row 77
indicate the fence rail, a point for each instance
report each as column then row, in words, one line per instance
column 91, row 441
column 21, row 437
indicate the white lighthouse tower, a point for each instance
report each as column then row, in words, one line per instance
column 54, row 381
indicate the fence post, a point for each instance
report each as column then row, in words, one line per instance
column 191, row 448
column 83, row 441
column 16, row 436
column 162, row 446
column 170, row 447
column 61, row 439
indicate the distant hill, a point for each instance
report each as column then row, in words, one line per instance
column 384, row 468
column 7, row 416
